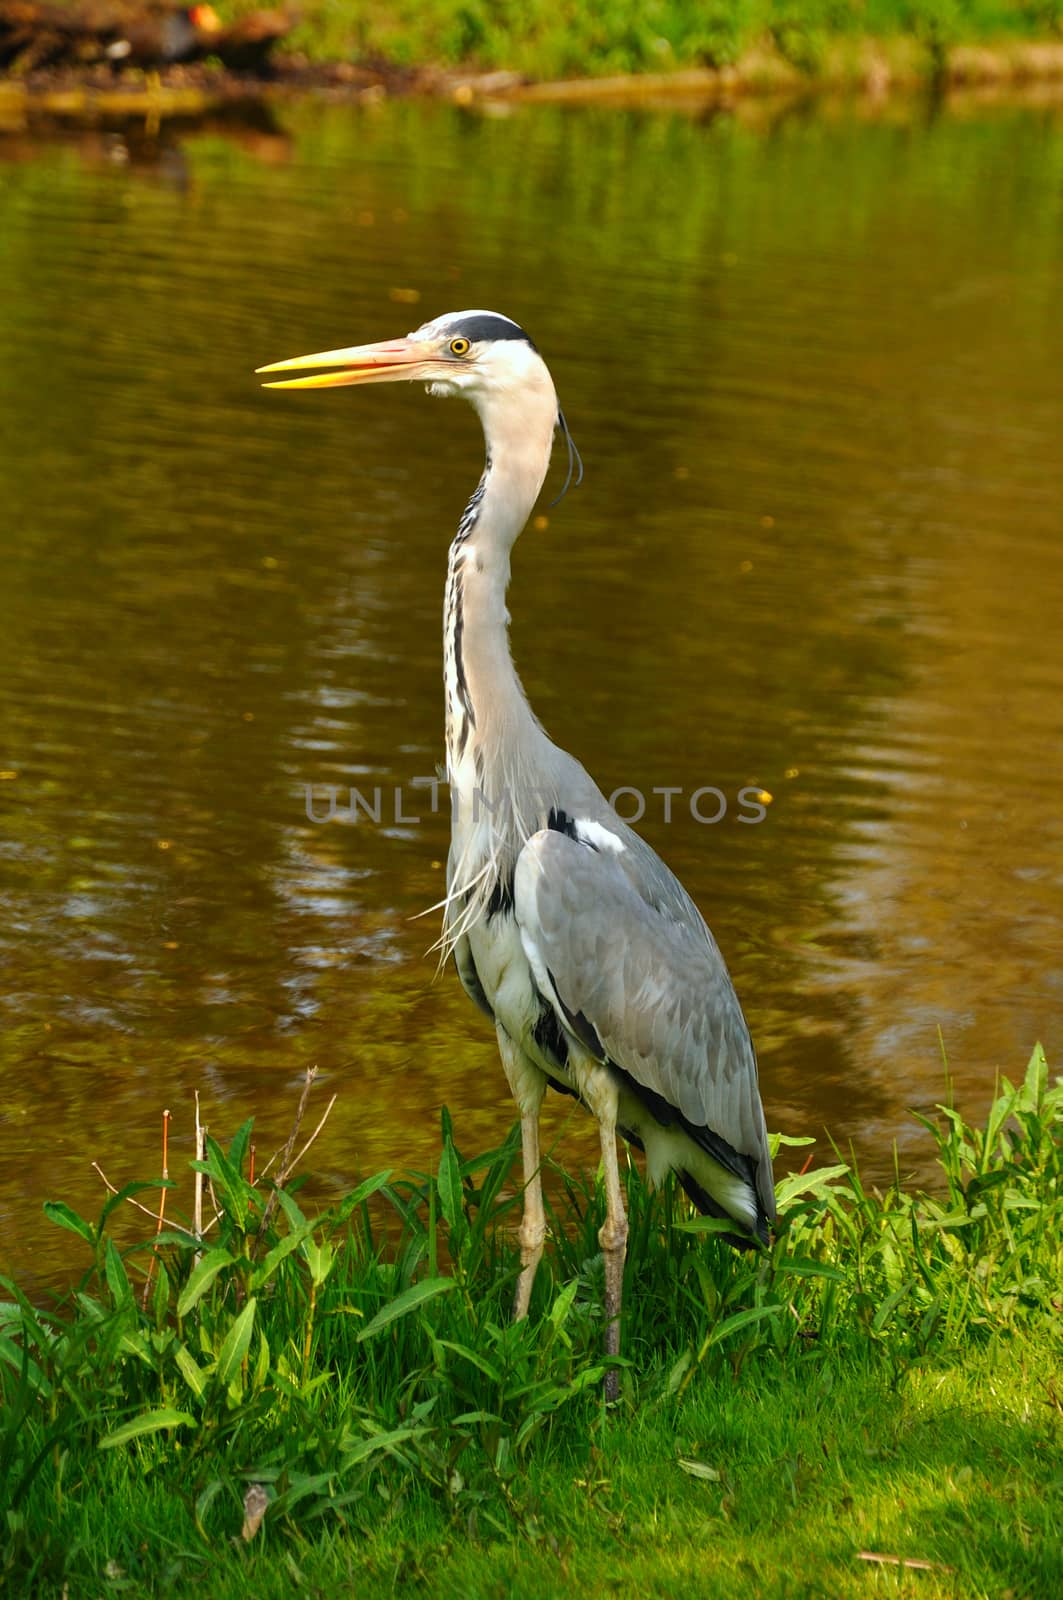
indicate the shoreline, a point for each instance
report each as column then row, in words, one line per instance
column 874, row 70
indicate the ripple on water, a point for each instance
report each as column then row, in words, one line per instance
column 814, row 376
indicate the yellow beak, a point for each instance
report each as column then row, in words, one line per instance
column 364, row 363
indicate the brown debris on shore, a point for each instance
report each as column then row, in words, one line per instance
column 140, row 34
column 196, row 88
column 92, row 90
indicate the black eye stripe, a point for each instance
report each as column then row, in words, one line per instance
column 487, row 326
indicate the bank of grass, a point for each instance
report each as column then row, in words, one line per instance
column 592, row 38
column 885, row 1383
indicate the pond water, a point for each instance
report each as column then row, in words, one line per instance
column 813, row 363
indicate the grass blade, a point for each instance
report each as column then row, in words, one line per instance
column 148, row 1422
column 418, row 1294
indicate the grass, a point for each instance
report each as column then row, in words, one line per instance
column 339, row 1404
column 563, row 38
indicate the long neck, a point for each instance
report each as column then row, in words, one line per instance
column 487, row 713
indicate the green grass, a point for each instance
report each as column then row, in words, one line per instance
column 563, row 38
column 887, row 1378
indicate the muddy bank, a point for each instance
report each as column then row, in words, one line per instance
column 70, row 93
column 872, row 68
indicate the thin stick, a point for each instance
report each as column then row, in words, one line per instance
column 131, row 1201
column 312, row 1137
column 197, row 1190
column 265, row 1170
column 914, row 1562
column 162, row 1206
column 271, row 1203
column 272, row 1162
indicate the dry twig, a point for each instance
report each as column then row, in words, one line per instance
column 286, row 1157
column 197, row 1190
column 162, row 1206
column 131, row 1200
column 312, row 1137
column 914, row 1562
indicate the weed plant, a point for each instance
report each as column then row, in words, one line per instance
column 324, row 1368
column 571, row 38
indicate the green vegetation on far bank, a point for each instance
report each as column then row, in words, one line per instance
column 593, row 38
column 336, row 1406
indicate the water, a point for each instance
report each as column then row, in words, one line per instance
column 812, row 362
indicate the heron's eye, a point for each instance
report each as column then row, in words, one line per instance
column 459, row 347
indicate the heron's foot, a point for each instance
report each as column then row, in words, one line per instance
column 532, row 1234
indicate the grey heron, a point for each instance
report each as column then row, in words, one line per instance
column 598, row 971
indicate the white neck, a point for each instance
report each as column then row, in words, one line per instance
column 486, row 709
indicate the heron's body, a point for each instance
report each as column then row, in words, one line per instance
column 596, row 967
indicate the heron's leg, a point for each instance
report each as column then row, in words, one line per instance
column 612, row 1236
column 528, row 1086
column 533, row 1223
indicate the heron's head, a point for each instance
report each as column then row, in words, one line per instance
column 478, row 354
column 481, row 355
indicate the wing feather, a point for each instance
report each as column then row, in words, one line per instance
column 641, row 969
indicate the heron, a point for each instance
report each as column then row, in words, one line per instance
column 600, row 975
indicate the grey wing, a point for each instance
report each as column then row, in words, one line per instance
column 646, row 983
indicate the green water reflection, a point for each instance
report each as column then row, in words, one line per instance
column 813, row 367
